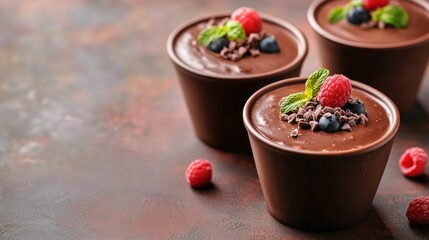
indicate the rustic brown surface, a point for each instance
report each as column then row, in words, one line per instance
column 95, row 137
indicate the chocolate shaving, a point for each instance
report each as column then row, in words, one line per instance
column 301, row 111
column 346, row 127
column 352, row 123
column 343, row 119
column 368, row 25
column 363, row 119
column 241, row 51
column 294, row 133
column 284, row 117
column 303, row 125
column 308, row 115
column 316, row 116
column 232, row 45
column 313, row 125
column 349, row 113
column 328, row 110
column 292, row 118
column 327, row 115
column 337, row 114
column 254, row 52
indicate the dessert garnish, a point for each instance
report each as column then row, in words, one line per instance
column 370, row 13
column 239, row 36
column 413, row 161
column 199, row 173
column 325, row 105
column 418, row 211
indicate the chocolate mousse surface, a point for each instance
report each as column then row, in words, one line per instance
column 202, row 59
column 418, row 25
column 266, row 119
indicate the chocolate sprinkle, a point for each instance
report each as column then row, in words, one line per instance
column 292, row 118
column 284, row 117
column 294, row 133
column 346, row 127
column 314, row 125
column 303, row 125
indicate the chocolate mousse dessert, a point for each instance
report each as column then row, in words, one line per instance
column 320, row 146
column 206, row 46
column 384, row 43
column 326, row 121
column 221, row 59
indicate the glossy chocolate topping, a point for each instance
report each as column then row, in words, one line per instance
column 266, row 119
column 201, row 59
column 418, row 25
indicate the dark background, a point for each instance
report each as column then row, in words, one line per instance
column 95, row 136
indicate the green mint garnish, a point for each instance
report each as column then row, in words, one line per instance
column 232, row 29
column 340, row 12
column 312, row 86
column 337, row 14
column 211, row 33
column 392, row 15
column 315, row 81
column 293, row 102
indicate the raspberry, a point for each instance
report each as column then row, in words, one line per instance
column 335, row 91
column 249, row 19
column 418, row 211
column 371, row 5
column 412, row 162
column 199, row 173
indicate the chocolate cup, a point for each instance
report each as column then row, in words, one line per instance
column 215, row 101
column 319, row 190
column 395, row 69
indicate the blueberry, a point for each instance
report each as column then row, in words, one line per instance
column 329, row 124
column 217, row 44
column 269, row 45
column 358, row 15
column 356, row 107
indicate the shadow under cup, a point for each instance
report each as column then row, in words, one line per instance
column 215, row 101
column 396, row 69
column 317, row 190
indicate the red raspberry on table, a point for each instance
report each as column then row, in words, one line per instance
column 374, row 4
column 418, row 211
column 335, row 91
column 199, row 173
column 248, row 18
column 412, row 163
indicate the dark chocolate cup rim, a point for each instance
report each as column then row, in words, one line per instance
column 321, row 31
column 391, row 110
column 300, row 37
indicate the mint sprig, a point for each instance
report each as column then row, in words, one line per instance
column 232, row 29
column 392, row 15
column 312, row 86
column 340, row 12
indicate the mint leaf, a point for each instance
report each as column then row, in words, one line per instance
column 292, row 102
column 234, row 31
column 394, row 16
column 377, row 14
column 356, row 3
column 337, row 14
column 320, row 75
column 315, row 81
column 211, row 33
